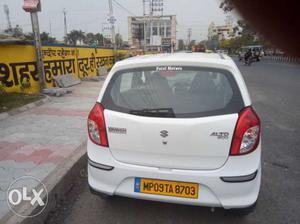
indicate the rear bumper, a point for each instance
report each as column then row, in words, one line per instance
column 213, row 191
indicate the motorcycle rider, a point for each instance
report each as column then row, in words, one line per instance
column 247, row 56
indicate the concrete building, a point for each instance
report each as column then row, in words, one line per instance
column 160, row 32
column 223, row 32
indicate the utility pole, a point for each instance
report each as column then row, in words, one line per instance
column 34, row 8
column 156, row 12
column 6, row 11
column 105, row 27
column 112, row 22
column 189, row 36
column 65, row 22
column 38, row 48
column 50, row 27
column 144, row 8
column 145, row 36
column 145, row 24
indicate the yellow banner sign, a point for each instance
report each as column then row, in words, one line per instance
column 18, row 65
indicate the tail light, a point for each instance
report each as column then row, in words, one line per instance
column 247, row 132
column 96, row 126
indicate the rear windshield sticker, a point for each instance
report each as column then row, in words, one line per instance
column 168, row 68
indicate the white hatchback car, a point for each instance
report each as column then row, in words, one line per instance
column 176, row 128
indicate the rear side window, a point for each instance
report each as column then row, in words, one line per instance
column 173, row 91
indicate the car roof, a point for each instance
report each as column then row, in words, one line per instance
column 216, row 58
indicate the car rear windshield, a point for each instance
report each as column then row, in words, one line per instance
column 173, row 91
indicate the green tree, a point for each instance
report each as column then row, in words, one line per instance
column 245, row 29
column 81, row 36
column 28, row 36
column 99, row 39
column 16, row 32
column 89, row 39
column 74, row 36
column 226, row 5
column 45, row 37
column 226, row 44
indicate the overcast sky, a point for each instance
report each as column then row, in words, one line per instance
column 88, row 15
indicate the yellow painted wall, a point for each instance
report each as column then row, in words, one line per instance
column 17, row 64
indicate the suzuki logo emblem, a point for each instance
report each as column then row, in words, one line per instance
column 164, row 133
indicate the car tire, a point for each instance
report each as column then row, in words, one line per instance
column 243, row 211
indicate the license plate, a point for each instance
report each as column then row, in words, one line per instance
column 165, row 187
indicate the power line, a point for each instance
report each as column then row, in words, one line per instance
column 189, row 35
column 50, row 26
column 123, row 7
column 112, row 22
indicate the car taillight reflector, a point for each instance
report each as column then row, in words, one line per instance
column 247, row 133
column 96, row 126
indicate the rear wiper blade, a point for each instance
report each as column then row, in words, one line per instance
column 156, row 112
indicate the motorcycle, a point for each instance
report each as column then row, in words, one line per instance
column 248, row 61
